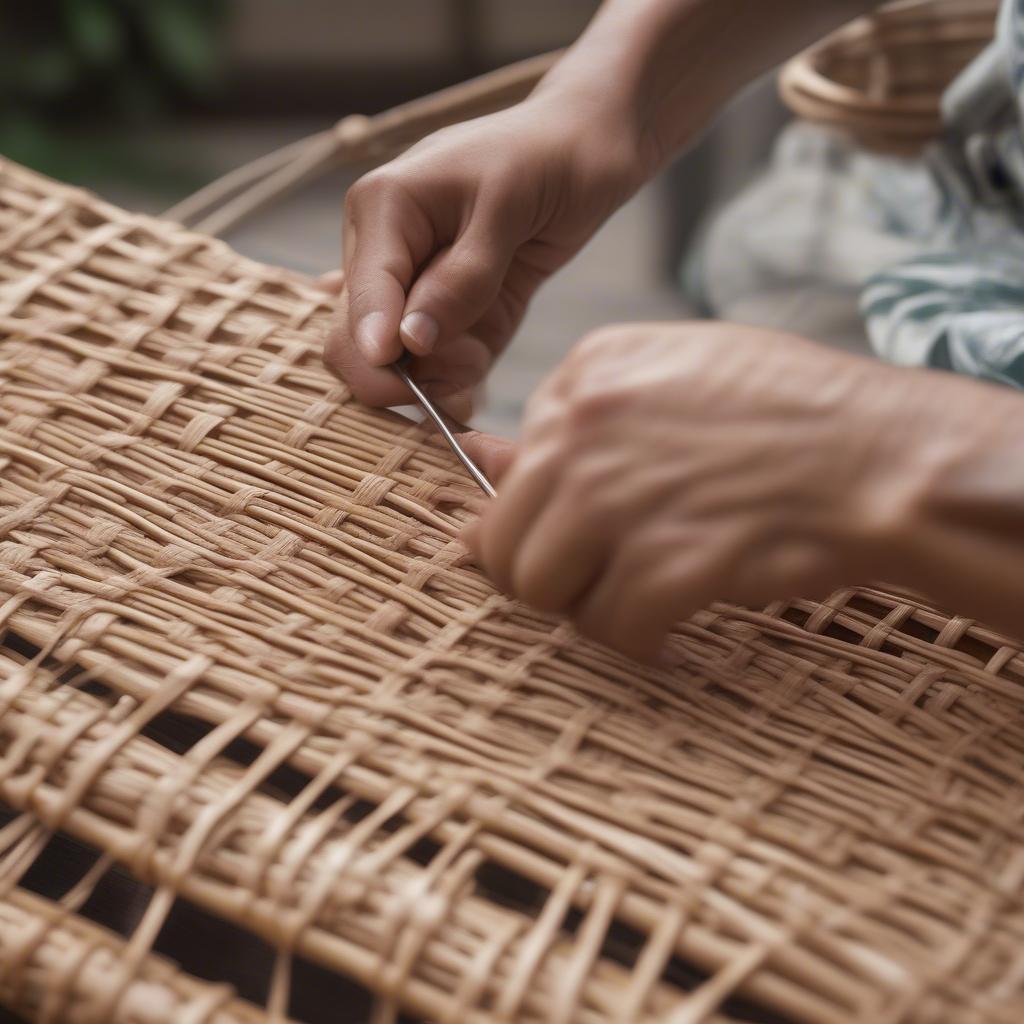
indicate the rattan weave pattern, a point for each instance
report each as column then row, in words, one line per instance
column 815, row 815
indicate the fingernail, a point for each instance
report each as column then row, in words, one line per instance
column 372, row 339
column 419, row 331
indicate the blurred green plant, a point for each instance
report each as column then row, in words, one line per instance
column 76, row 76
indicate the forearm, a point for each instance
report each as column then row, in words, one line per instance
column 961, row 536
column 666, row 66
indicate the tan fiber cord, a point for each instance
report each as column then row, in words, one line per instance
column 222, row 204
column 247, row 672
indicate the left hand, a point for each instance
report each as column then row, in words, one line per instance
column 664, row 466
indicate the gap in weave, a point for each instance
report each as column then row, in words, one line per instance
column 683, row 975
column 687, row 977
column 89, row 217
column 742, row 1010
column 622, row 943
column 913, row 626
column 216, row 950
column 19, row 645
column 860, row 602
column 91, row 335
column 117, row 901
column 220, row 951
column 59, row 865
column 65, row 673
column 505, row 887
column 921, row 630
column 835, row 631
column 796, row 616
column 199, row 942
column 179, row 732
column 508, row 888
column 982, row 652
column 286, row 782
column 322, row 996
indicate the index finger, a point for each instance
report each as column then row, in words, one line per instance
column 386, row 239
column 374, row 385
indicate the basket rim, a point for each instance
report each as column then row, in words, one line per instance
column 805, row 80
column 950, row 32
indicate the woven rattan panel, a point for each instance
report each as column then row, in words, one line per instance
column 248, row 676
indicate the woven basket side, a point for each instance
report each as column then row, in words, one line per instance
column 66, row 962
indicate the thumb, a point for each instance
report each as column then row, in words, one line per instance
column 455, row 290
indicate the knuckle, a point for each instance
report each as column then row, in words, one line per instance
column 381, row 182
column 593, row 404
column 653, row 548
column 545, row 412
column 589, row 484
column 355, row 196
column 599, row 340
column 481, row 269
column 361, row 292
column 461, row 287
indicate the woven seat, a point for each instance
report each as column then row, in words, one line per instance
column 250, row 681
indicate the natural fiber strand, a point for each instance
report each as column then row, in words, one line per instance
column 247, row 665
column 354, row 140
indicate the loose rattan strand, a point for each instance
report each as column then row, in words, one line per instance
column 247, row 668
column 224, row 203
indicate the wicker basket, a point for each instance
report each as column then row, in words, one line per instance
column 880, row 79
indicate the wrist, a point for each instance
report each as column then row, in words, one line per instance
column 946, row 469
column 664, row 68
column 598, row 126
column 892, row 451
column 644, row 76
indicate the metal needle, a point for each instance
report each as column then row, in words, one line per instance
column 435, row 414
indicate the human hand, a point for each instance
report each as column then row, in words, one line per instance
column 445, row 245
column 664, row 466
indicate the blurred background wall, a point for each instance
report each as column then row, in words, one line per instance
column 145, row 100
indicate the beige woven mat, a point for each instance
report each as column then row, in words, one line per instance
column 247, row 671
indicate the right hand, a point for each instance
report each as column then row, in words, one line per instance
column 445, row 245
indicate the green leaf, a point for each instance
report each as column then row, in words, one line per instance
column 96, row 30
